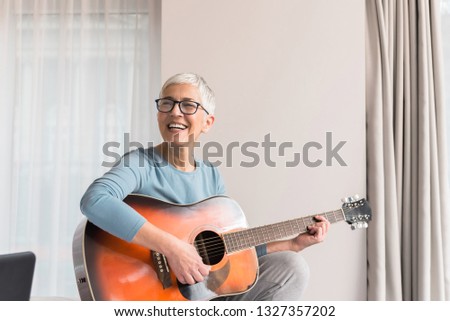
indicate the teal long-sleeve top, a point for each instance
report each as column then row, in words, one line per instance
column 146, row 172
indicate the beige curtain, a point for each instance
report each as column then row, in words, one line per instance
column 408, row 239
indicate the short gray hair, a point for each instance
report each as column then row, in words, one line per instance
column 206, row 94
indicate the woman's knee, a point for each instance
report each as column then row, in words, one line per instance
column 296, row 265
column 288, row 273
column 287, row 265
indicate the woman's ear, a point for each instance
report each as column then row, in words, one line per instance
column 209, row 121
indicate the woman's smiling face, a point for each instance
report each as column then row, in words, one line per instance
column 176, row 127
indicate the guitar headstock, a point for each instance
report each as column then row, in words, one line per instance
column 357, row 211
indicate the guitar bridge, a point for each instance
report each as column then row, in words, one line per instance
column 162, row 269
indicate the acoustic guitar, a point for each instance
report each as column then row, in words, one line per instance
column 109, row 268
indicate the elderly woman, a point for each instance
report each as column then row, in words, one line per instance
column 170, row 172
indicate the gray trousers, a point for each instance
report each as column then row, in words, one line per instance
column 283, row 276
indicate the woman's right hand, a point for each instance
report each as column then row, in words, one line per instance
column 185, row 262
column 183, row 259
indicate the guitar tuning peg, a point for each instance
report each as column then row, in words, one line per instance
column 350, row 199
column 359, row 225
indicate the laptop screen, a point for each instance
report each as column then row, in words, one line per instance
column 16, row 276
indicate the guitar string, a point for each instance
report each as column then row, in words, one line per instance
column 310, row 219
column 218, row 248
column 215, row 245
column 211, row 241
column 280, row 225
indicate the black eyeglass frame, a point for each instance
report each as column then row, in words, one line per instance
column 178, row 102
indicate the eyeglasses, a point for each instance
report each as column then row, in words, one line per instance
column 187, row 107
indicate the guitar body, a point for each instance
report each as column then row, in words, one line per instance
column 108, row 268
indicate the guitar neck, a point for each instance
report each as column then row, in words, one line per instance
column 248, row 238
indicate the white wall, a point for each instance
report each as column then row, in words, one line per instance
column 294, row 69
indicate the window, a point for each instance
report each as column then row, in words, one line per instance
column 80, row 78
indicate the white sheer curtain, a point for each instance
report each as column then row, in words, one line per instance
column 74, row 75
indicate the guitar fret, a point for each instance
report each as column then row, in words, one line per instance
column 301, row 228
column 334, row 216
column 233, row 242
column 286, row 230
column 279, row 235
column 260, row 238
column 232, row 247
column 266, row 234
column 246, row 240
column 242, row 238
column 289, row 228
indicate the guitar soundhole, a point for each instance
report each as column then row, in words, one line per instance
column 210, row 247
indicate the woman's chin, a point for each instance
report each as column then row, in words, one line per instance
column 180, row 139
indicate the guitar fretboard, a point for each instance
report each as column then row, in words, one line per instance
column 245, row 239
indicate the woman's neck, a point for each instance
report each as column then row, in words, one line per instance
column 180, row 157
